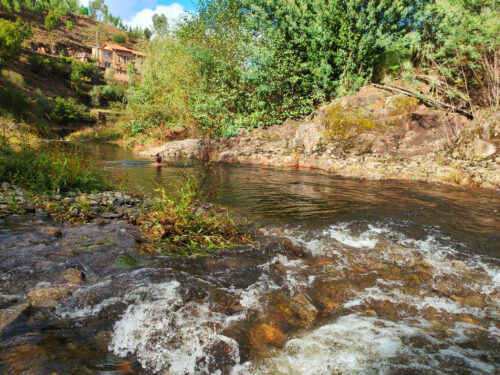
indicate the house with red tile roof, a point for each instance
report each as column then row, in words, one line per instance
column 117, row 58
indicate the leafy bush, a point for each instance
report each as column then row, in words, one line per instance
column 68, row 111
column 13, row 100
column 12, row 36
column 36, row 63
column 52, row 20
column 119, row 38
column 465, row 49
column 69, row 25
column 107, row 94
column 242, row 63
column 81, row 71
column 50, row 168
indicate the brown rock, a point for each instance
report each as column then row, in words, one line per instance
column 73, row 275
column 266, row 334
column 124, row 368
column 484, row 149
column 303, row 307
column 48, row 297
column 51, row 231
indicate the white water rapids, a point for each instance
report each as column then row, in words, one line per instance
column 410, row 306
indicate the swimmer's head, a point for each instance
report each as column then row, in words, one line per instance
column 158, row 158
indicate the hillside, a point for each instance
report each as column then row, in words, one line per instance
column 81, row 36
column 54, row 43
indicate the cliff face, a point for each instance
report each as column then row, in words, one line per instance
column 372, row 134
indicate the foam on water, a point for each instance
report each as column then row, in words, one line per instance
column 357, row 344
column 169, row 336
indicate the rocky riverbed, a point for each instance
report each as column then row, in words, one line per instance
column 75, row 207
column 372, row 135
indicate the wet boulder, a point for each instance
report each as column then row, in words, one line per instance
column 304, row 309
column 51, row 231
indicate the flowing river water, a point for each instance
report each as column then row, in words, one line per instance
column 345, row 277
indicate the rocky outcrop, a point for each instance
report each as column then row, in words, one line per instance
column 371, row 135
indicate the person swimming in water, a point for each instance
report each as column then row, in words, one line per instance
column 157, row 162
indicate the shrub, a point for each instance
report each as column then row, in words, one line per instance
column 69, row 25
column 36, row 63
column 95, row 96
column 52, row 20
column 51, row 168
column 13, row 100
column 119, row 38
column 12, row 36
column 68, row 111
column 84, row 70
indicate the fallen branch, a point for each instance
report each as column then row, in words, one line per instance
column 424, row 99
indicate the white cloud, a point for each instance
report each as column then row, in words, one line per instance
column 144, row 18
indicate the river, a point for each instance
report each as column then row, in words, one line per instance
column 346, row 277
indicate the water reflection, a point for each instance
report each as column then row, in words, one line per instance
column 286, row 195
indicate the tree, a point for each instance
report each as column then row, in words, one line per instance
column 12, row 36
column 160, row 23
column 147, row 33
column 465, row 48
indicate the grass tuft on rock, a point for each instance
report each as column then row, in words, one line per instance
column 180, row 224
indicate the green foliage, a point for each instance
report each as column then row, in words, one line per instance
column 101, row 95
column 465, row 50
column 84, row 71
column 69, row 25
column 50, row 169
column 59, row 8
column 147, row 33
column 68, row 111
column 52, row 20
column 60, row 66
column 182, row 225
column 120, row 38
column 13, row 101
column 254, row 63
column 160, row 24
column 12, row 36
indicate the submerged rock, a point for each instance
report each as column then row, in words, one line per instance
column 9, row 314
column 51, row 231
column 73, row 275
column 48, row 297
column 266, row 334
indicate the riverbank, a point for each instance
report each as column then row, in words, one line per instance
column 372, row 135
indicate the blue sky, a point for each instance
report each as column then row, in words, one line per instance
column 139, row 13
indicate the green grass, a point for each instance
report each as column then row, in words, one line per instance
column 47, row 168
